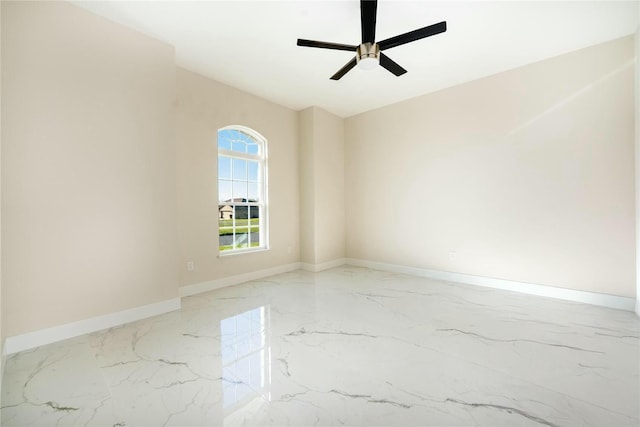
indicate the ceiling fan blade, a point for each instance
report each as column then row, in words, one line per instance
column 412, row 36
column 391, row 65
column 326, row 45
column 342, row 71
column 368, row 10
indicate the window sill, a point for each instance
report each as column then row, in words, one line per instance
column 225, row 254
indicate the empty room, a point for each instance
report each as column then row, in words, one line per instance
column 319, row 213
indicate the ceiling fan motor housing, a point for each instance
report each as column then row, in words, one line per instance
column 368, row 55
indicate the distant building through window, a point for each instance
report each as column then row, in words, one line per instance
column 242, row 190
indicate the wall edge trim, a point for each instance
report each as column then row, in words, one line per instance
column 223, row 282
column 29, row 340
column 323, row 265
column 605, row 300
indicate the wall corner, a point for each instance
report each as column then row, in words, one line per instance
column 637, row 160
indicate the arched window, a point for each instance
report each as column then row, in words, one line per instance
column 242, row 190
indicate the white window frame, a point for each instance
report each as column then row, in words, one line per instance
column 262, row 204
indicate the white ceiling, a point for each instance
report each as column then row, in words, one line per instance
column 251, row 45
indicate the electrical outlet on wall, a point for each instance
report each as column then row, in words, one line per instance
column 452, row 255
column 189, row 265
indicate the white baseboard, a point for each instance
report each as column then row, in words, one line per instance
column 612, row 301
column 323, row 266
column 211, row 285
column 4, row 360
column 38, row 338
column 41, row 337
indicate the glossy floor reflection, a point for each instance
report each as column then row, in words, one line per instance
column 348, row 346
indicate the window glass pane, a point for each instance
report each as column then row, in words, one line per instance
column 255, row 213
column 224, row 190
column 227, row 133
column 225, row 227
column 239, row 191
column 241, row 237
column 252, row 148
column 224, row 242
column 245, row 137
column 254, row 225
column 224, row 167
column 241, row 215
column 252, row 194
column 239, row 169
column 252, row 168
column 224, row 141
column 241, row 240
column 225, row 214
column 239, row 146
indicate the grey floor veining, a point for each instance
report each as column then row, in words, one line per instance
column 348, row 346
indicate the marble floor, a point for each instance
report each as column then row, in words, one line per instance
column 348, row 346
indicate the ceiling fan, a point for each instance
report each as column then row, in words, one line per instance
column 369, row 53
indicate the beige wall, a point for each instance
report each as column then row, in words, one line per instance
column 637, row 158
column 329, row 186
column 88, row 167
column 1, row 320
column 203, row 107
column 306, row 136
column 527, row 175
column 321, row 186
